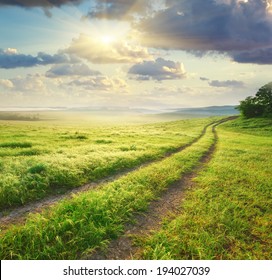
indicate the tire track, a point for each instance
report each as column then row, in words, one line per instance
column 167, row 206
column 19, row 214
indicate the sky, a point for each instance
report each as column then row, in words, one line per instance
column 133, row 53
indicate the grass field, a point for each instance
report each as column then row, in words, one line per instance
column 42, row 158
column 229, row 212
column 226, row 215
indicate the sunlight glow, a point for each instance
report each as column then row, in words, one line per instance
column 269, row 7
column 107, row 39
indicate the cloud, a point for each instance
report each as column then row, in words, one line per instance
column 10, row 58
column 119, row 9
column 10, row 51
column 202, row 26
column 97, row 51
column 258, row 56
column 46, row 5
column 71, row 70
column 38, row 3
column 204, row 79
column 227, row 84
column 6, row 83
column 30, row 83
column 159, row 70
column 101, row 83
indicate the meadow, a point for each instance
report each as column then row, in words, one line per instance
column 225, row 215
column 42, row 158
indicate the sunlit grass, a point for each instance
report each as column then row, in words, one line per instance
column 74, row 155
column 73, row 228
column 228, row 214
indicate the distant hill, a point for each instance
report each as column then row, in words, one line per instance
column 113, row 114
column 205, row 111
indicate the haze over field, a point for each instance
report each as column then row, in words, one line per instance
column 136, row 54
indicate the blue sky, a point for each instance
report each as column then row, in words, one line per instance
column 134, row 53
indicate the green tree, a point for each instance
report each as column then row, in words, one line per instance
column 264, row 98
column 250, row 109
column 260, row 105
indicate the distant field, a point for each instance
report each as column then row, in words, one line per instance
column 47, row 157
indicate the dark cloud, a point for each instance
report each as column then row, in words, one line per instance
column 71, row 70
column 204, row 79
column 47, row 12
column 211, row 25
column 119, row 9
column 10, row 59
column 258, row 56
column 38, row 3
column 157, row 70
column 228, row 83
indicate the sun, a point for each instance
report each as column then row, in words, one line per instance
column 107, row 39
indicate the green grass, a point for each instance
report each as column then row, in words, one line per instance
column 228, row 214
column 257, row 126
column 73, row 155
column 73, row 228
column 14, row 145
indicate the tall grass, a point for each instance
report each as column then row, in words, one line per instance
column 228, row 214
column 73, row 228
column 72, row 156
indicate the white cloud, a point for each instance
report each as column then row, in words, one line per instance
column 29, row 84
column 97, row 50
column 71, row 70
column 6, row 83
column 101, row 83
column 11, row 51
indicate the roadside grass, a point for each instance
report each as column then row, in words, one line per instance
column 74, row 155
column 228, row 214
column 75, row 227
column 257, row 126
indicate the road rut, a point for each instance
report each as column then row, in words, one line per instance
column 167, row 206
